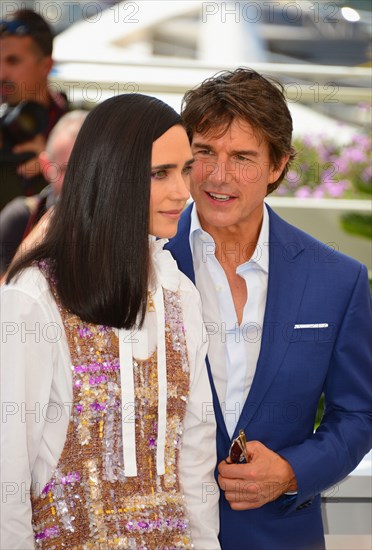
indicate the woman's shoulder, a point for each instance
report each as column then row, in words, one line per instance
column 29, row 296
column 29, row 281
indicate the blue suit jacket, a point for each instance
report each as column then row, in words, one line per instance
column 309, row 283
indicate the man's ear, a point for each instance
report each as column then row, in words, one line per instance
column 275, row 172
column 47, row 64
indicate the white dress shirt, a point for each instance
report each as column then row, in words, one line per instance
column 234, row 349
column 36, row 393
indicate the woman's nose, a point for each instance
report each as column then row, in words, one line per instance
column 181, row 189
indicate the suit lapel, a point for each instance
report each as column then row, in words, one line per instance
column 287, row 280
column 179, row 246
column 223, row 438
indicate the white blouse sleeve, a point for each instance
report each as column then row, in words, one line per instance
column 28, row 356
column 198, row 452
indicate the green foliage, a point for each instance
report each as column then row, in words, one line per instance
column 325, row 169
column 357, row 224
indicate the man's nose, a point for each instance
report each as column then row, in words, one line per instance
column 218, row 172
column 4, row 72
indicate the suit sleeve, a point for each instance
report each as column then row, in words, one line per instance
column 345, row 433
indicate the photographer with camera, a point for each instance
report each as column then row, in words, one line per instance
column 20, row 216
column 28, row 109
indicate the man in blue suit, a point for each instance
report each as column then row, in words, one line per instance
column 288, row 319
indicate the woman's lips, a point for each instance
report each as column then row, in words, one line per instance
column 173, row 214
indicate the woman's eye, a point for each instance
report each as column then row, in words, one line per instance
column 187, row 170
column 159, row 175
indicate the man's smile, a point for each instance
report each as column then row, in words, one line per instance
column 220, row 197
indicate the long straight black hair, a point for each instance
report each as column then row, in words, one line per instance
column 97, row 238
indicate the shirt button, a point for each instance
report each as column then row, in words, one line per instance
column 219, row 287
column 203, row 237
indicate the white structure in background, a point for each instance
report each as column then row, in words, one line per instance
column 113, row 52
column 225, row 34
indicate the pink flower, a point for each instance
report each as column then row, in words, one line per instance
column 303, row 192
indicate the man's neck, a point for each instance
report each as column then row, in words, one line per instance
column 43, row 97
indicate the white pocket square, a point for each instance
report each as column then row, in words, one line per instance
column 312, row 325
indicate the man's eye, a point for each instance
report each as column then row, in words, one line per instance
column 240, row 158
column 203, row 152
column 159, row 175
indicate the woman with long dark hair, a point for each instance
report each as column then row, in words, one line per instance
column 109, row 435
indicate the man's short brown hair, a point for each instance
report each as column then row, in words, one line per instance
column 247, row 95
column 36, row 27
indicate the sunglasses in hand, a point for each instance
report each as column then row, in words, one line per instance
column 238, row 450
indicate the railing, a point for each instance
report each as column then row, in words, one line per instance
column 303, row 83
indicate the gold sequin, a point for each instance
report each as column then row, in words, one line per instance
column 92, row 505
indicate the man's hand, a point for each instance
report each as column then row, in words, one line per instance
column 30, row 168
column 263, row 479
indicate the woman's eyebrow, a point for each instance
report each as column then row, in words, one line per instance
column 167, row 166
column 163, row 166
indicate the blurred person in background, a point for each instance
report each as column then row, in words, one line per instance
column 288, row 319
column 29, row 109
column 20, row 216
column 129, row 461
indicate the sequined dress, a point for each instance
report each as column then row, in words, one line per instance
column 89, row 502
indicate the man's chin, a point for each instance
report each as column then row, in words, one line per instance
column 8, row 95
